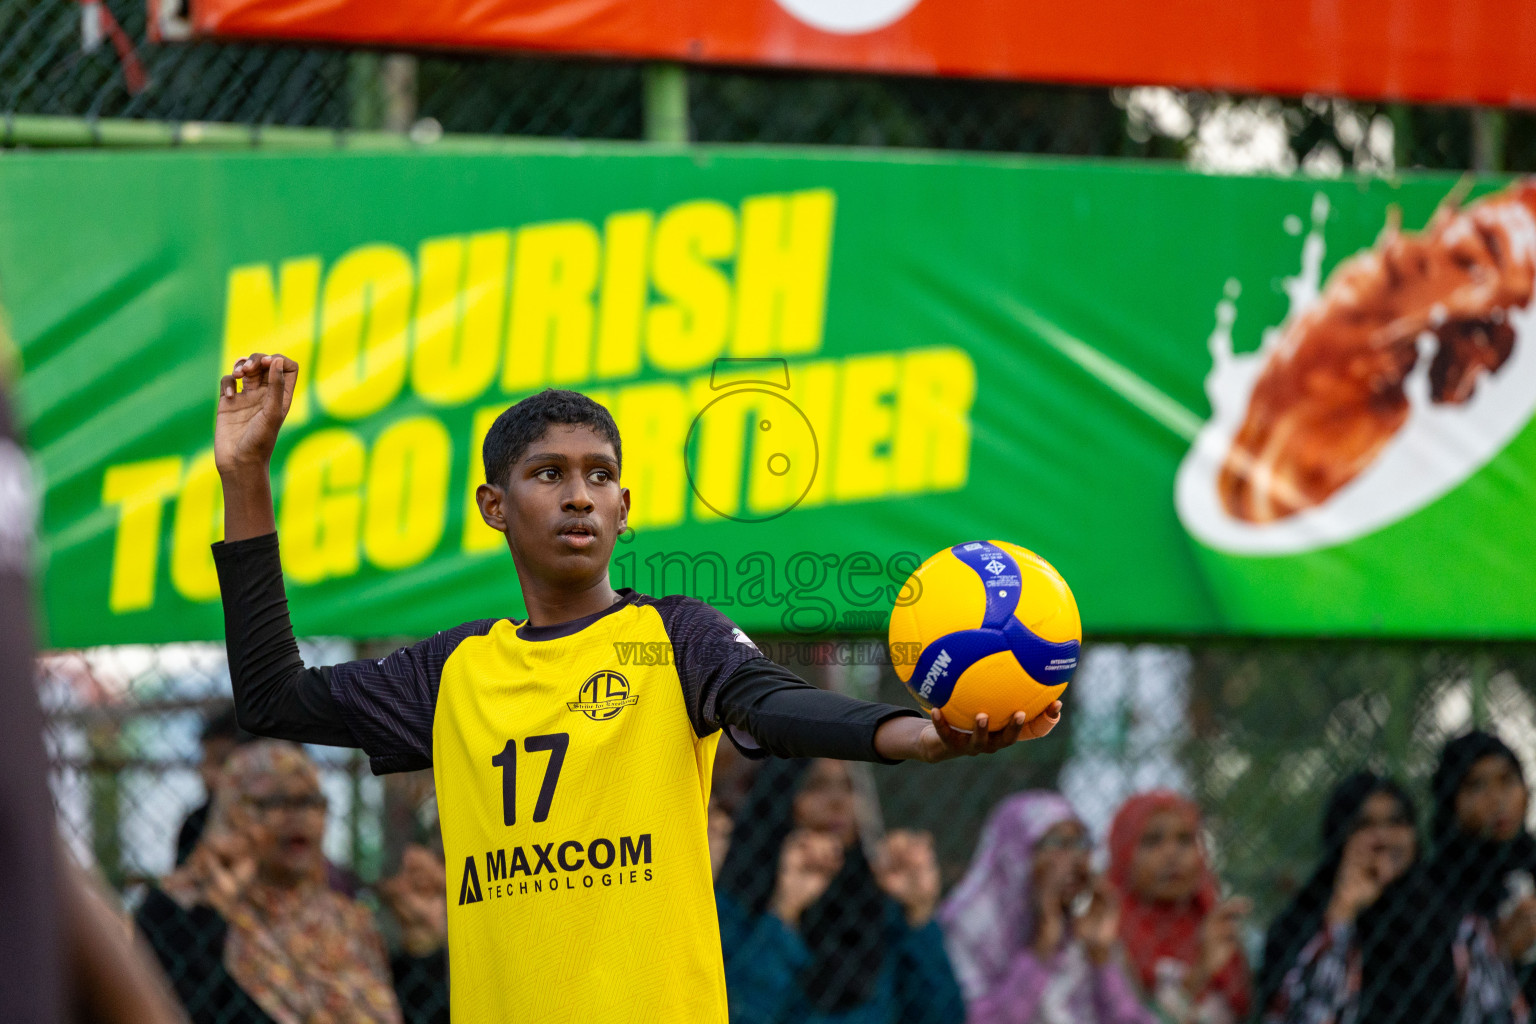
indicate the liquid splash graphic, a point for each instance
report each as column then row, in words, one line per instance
column 1379, row 392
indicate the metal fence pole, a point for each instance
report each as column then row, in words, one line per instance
column 106, row 800
column 666, row 103
column 1489, row 128
column 355, row 767
column 1402, row 135
column 367, row 106
column 397, row 85
column 1479, row 687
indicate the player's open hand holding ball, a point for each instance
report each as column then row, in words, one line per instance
column 908, row 871
column 986, row 636
column 807, row 864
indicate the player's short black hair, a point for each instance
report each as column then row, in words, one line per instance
column 524, row 423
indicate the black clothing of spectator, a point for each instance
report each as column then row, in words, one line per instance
column 190, row 946
column 1477, row 881
column 31, row 980
column 1311, row 972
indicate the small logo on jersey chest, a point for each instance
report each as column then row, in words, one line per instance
column 603, row 696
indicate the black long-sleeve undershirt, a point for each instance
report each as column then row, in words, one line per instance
column 277, row 695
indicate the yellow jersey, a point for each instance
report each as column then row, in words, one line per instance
column 573, row 773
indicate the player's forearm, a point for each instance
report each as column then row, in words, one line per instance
column 897, row 738
column 789, row 717
column 275, row 694
column 248, row 502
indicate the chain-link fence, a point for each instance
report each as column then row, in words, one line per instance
column 1256, row 733
column 94, row 62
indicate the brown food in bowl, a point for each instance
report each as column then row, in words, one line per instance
column 1331, row 395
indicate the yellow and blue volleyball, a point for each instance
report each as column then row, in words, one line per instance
column 985, row 627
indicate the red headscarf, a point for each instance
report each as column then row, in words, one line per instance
column 1167, row 931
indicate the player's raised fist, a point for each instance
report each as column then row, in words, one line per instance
column 251, row 414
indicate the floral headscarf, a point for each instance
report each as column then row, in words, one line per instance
column 305, row 954
column 1151, row 931
column 989, row 917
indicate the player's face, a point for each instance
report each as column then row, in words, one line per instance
column 825, row 802
column 290, row 814
column 563, row 506
column 1166, row 865
column 1491, row 802
column 1061, row 862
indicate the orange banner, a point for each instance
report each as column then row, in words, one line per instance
column 1456, row 51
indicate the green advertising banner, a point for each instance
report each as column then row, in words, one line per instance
column 1217, row 405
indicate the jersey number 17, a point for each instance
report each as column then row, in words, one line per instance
column 556, row 743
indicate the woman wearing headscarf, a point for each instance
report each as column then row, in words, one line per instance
column 811, row 931
column 1484, row 868
column 1320, row 949
column 250, row 932
column 1180, row 937
column 1031, row 932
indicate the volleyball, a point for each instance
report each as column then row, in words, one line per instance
column 985, row 627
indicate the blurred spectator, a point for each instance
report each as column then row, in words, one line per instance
column 65, row 951
column 811, row 932
column 31, row 983
column 1323, row 947
column 111, row 979
column 1181, row 939
column 1484, row 865
column 416, row 897
column 250, row 932
column 1031, row 932
column 221, row 735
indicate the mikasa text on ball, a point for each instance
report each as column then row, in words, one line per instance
column 985, row 627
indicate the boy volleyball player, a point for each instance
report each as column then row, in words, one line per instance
column 572, row 790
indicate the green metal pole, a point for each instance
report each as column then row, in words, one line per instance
column 1480, row 675
column 364, row 92
column 46, row 132
column 666, row 104
column 106, row 796
column 1490, row 126
column 1402, row 135
column 355, row 819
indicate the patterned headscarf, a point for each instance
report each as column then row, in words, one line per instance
column 1158, row 931
column 305, row 954
column 990, row 916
